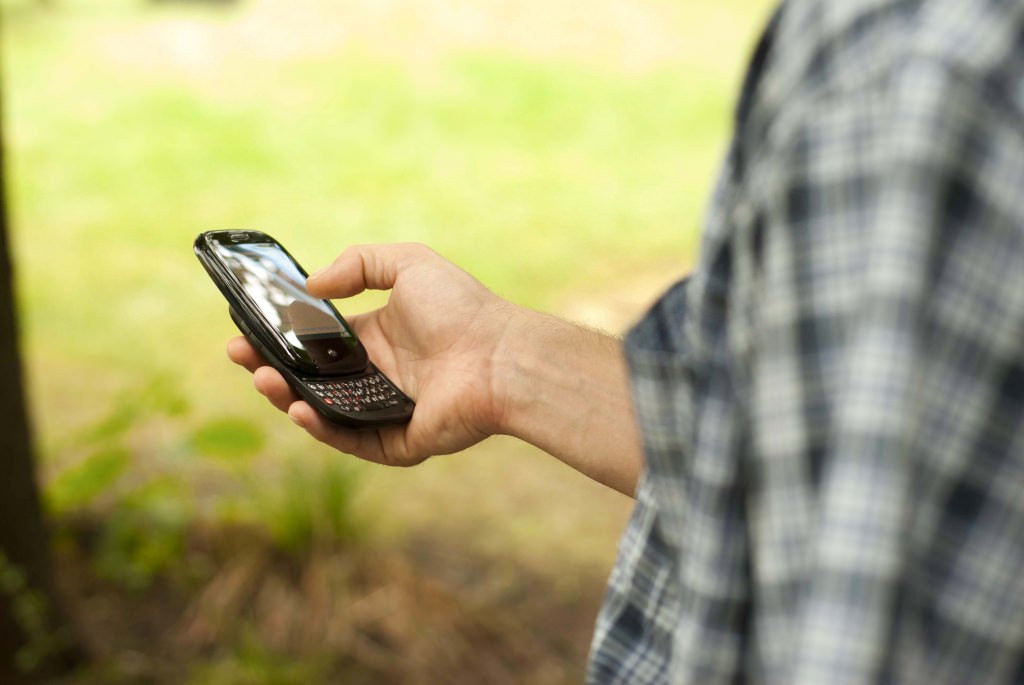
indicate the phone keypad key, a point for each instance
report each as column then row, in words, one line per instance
column 358, row 394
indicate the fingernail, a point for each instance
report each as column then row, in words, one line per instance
column 297, row 421
column 319, row 273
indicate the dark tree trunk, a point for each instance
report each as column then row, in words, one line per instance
column 34, row 642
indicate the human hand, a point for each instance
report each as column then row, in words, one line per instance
column 437, row 338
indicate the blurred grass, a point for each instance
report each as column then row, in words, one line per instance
column 561, row 152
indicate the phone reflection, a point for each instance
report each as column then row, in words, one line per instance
column 272, row 280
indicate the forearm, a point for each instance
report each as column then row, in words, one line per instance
column 565, row 389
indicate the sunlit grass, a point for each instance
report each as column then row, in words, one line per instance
column 551, row 150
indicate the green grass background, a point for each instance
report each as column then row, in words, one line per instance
column 563, row 154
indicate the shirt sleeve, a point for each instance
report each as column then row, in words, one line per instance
column 633, row 637
column 883, row 276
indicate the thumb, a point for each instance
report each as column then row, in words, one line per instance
column 363, row 267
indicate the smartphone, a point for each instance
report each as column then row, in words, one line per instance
column 303, row 337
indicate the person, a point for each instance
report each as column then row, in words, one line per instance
column 822, row 425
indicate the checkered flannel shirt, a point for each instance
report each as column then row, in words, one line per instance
column 832, row 406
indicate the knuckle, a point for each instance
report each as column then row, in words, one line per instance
column 349, row 252
column 420, row 250
column 345, row 257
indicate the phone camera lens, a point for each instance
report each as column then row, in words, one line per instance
column 332, row 353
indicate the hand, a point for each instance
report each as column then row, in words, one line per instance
column 437, row 338
column 476, row 365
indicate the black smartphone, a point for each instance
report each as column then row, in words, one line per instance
column 303, row 337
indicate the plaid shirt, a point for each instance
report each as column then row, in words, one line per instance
column 832, row 406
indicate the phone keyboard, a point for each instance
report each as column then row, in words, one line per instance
column 358, row 394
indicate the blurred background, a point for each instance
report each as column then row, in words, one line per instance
column 562, row 152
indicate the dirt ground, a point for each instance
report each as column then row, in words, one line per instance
column 241, row 612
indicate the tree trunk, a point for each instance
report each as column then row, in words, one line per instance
column 34, row 642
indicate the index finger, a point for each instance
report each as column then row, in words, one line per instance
column 241, row 352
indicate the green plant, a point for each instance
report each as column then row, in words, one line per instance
column 249, row 662
column 312, row 505
column 160, row 395
column 105, row 441
column 229, row 439
column 79, row 485
column 31, row 612
column 142, row 517
column 143, row 535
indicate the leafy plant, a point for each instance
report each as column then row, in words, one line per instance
column 143, row 517
column 250, row 662
column 144, row 535
column 160, row 395
column 31, row 611
column 313, row 506
column 79, row 485
column 230, row 439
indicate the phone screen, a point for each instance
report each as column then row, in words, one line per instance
column 273, row 281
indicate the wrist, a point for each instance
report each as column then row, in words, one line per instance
column 513, row 345
column 565, row 389
column 530, row 368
